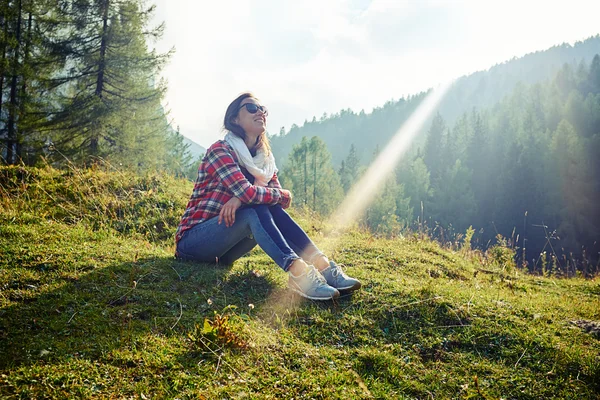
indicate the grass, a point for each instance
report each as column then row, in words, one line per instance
column 93, row 305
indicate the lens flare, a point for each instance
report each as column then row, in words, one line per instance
column 362, row 192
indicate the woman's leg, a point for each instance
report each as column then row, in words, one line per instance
column 210, row 240
column 301, row 243
column 296, row 237
column 237, row 251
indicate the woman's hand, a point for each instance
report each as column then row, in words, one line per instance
column 289, row 202
column 227, row 213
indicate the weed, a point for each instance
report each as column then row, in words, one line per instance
column 217, row 331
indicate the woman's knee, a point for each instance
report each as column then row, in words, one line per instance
column 277, row 210
column 261, row 211
column 260, row 207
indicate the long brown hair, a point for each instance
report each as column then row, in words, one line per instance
column 230, row 125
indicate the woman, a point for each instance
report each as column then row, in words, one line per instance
column 238, row 202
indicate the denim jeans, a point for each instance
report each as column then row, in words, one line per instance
column 269, row 226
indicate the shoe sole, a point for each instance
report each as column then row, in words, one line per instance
column 350, row 288
column 335, row 296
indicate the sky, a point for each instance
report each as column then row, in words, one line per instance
column 305, row 58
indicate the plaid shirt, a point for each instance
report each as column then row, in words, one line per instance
column 219, row 179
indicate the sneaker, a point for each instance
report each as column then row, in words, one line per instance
column 336, row 278
column 312, row 285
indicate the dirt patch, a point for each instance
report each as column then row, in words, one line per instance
column 591, row 327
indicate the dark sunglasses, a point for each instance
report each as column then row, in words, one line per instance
column 253, row 108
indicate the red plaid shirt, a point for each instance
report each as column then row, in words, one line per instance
column 219, row 179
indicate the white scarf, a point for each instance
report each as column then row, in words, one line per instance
column 261, row 166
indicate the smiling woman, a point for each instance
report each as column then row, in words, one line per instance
column 238, row 202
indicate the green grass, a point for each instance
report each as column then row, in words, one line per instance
column 93, row 305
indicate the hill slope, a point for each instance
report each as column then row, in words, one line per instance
column 93, row 305
column 482, row 89
column 195, row 150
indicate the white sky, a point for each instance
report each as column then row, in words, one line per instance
column 303, row 58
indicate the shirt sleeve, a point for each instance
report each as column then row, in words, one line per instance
column 274, row 182
column 222, row 165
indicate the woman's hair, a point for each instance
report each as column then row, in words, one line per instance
column 229, row 124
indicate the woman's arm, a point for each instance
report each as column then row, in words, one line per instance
column 222, row 165
column 274, row 183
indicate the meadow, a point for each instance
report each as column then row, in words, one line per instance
column 94, row 305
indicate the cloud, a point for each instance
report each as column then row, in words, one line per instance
column 306, row 58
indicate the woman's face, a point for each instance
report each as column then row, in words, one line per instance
column 253, row 124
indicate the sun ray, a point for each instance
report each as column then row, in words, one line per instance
column 363, row 192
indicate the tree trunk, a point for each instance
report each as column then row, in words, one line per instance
column 305, row 175
column 12, row 111
column 21, row 130
column 3, row 26
column 101, row 69
column 315, row 180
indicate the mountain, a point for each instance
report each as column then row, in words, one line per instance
column 482, row 89
column 195, row 149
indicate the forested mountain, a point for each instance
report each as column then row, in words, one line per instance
column 480, row 90
column 525, row 168
column 194, row 149
column 79, row 82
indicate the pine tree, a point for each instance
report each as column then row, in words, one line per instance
column 109, row 94
column 481, row 159
column 14, row 17
column 432, row 154
column 417, row 187
column 594, row 75
column 311, row 177
column 344, row 179
column 390, row 211
column 27, row 28
column 578, row 206
column 452, row 202
column 349, row 170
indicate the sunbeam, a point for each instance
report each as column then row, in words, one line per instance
column 362, row 192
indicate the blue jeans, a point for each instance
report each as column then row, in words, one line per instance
column 269, row 226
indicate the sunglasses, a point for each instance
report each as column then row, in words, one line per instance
column 253, row 108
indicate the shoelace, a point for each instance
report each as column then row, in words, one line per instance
column 337, row 271
column 315, row 275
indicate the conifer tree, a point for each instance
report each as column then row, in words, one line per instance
column 481, row 159
column 417, row 187
column 27, row 28
column 578, row 207
column 311, row 177
column 452, row 202
column 109, row 93
column 594, row 75
column 348, row 171
column 390, row 211
column 343, row 174
column 432, row 154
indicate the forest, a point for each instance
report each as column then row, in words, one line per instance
column 526, row 168
column 510, row 155
column 79, row 83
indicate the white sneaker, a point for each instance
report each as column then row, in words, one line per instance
column 312, row 285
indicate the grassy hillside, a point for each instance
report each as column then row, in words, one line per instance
column 93, row 305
